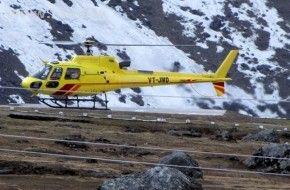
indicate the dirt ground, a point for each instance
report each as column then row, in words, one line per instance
column 31, row 172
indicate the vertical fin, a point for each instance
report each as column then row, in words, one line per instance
column 226, row 65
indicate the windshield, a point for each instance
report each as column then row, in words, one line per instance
column 43, row 73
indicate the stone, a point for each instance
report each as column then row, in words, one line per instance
column 184, row 133
column 224, row 136
column 182, row 159
column 264, row 135
column 271, row 164
column 158, row 178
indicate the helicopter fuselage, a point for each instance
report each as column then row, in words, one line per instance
column 89, row 75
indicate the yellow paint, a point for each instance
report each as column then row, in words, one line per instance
column 102, row 74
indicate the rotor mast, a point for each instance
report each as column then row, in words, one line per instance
column 89, row 44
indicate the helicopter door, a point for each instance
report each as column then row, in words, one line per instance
column 54, row 78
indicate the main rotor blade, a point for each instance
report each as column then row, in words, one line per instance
column 65, row 43
column 152, row 45
column 95, row 43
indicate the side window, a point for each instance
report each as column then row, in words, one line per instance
column 56, row 74
column 72, row 73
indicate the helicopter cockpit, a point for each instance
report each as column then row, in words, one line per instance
column 51, row 75
column 43, row 74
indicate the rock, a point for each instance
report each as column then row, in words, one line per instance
column 264, row 135
column 182, row 159
column 158, row 178
column 161, row 177
column 224, row 136
column 102, row 140
column 271, row 164
column 21, row 141
column 74, row 145
column 69, row 125
column 124, row 151
column 286, row 134
column 134, row 130
column 9, row 187
column 217, row 23
column 184, row 133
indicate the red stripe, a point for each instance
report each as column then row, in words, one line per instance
column 219, row 84
column 63, row 90
column 75, row 88
column 221, row 90
column 219, row 87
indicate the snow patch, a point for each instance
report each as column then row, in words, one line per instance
column 16, row 98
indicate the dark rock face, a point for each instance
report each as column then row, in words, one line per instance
column 158, row 178
column 265, row 135
column 68, row 2
column 137, row 99
column 217, row 23
column 262, row 42
column 271, row 164
column 136, row 90
column 183, row 159
column 176, row 67
column 10, row 66
column 123, row 55
column 52, row 1
column 59, row 30
column 94, row 2
column 285, row 134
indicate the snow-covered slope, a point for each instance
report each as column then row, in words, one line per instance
column 27, row 29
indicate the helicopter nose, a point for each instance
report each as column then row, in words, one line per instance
column 25, row 83
column 31, row 83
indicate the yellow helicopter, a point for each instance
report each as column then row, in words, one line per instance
column 89, row 75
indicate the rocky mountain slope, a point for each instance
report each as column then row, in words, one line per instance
column 260, row 29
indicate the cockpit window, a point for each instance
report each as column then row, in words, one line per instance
column 72, row 73
column 43, row 73
column 56, row 74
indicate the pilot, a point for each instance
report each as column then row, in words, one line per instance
column 74, row 75
column 56, row 75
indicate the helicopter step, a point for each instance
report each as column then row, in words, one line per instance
column 74, row 102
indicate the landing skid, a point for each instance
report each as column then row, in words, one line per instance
column 65, row 102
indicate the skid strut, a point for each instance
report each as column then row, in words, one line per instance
column 74, row 102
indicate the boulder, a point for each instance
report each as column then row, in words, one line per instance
column 161, row 177
column 271, row 164
column 182, row 159
column 286, row 134
column 158, row 178
column 184, row 133
column 74, row 145
column 217, row 23
column 224, row 135
column 264, row 135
